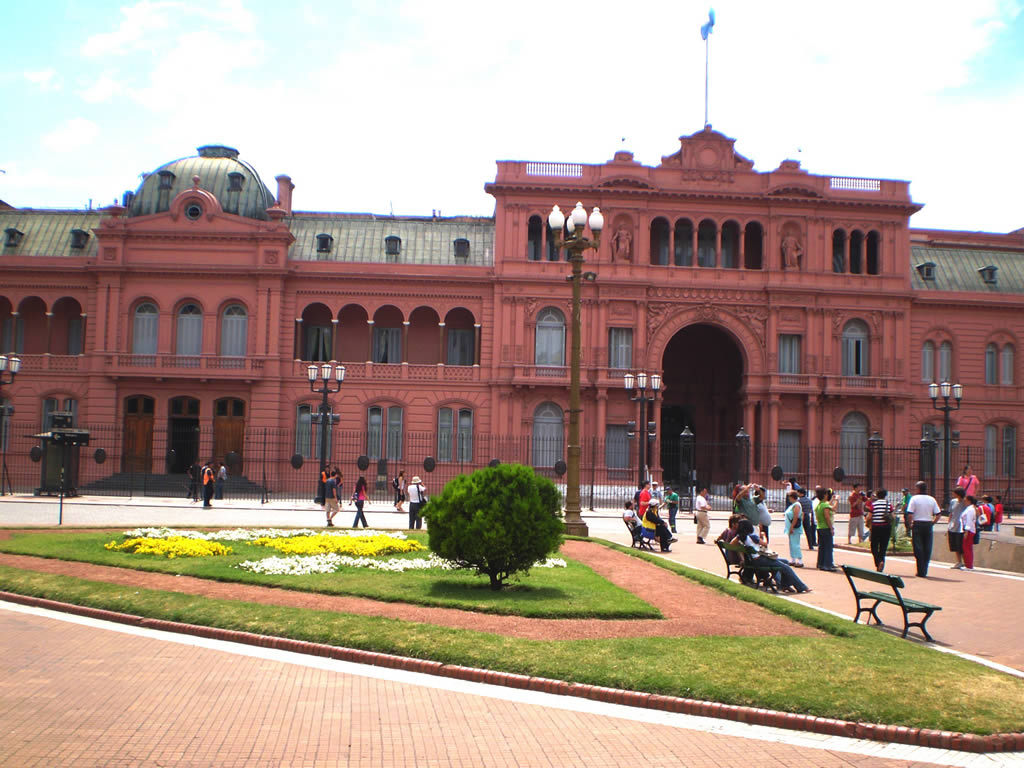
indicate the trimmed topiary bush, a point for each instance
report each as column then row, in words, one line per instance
column 497, row 521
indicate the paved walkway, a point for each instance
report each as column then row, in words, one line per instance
column 75, row 691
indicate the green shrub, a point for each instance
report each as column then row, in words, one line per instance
column 497, row 521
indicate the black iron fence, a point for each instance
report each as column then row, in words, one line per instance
column 275, row 464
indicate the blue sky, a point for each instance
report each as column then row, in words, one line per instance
column 405, row 106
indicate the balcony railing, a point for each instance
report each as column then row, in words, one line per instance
column 212, row 366
column 61, row 363
column 360, row 372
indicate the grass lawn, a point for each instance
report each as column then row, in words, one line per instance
column 545, row 593
column 853, row 672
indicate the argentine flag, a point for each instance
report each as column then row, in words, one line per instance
column 706, row 29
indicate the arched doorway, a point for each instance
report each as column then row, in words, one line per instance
column 702, row 386
column 182, row 433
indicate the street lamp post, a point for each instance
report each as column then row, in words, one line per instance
column 945, row 389
column 638, row 386
column 576, row 243
column 9, row 367
column 320, row 377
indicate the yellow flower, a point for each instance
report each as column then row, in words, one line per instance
column 171, row 547
column 356, row 546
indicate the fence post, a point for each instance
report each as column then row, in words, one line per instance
column 875, row 448
column 926, row 462
column 742, row 457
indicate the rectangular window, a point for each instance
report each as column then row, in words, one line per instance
column 1009, row 451
column 855, row 356
column 374, row 419
column 620, row 348
column 1006, row 366
column 789, row 353
column 461, row 343
column 318, row 343
column 394, row 446
column 789, row 451
column 387, row 345
column 991, row 450
column 303, row 431
column 616, row 446
column 928, row 362
column 444, row 434
column 991, row 365
column 464, row 448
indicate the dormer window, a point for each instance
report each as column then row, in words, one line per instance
column 461, row 249
column 988, row 274
column 926, row 270
column 79, row 237
column 166, row 180
column 392, row 247
column 13, row 237
column 235, row 180
column 324, row 243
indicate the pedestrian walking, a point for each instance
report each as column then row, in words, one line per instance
column 208, row 484
column 922, row 512
column 702, row 509
column 359, row 497
column 331, row 499
column 672, row 502
column 882, row 517
column 969, row 523
column 954, row 527
column 810, row 526
column 398, row 483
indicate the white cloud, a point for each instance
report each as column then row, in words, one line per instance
column 44, row 78
column 73, row 134
column 102, row 90
column 139, row 21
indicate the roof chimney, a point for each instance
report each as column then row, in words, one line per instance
column 284, row 193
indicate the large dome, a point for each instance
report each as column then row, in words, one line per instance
column 235, row 184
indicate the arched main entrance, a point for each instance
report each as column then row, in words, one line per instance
column 702, row 382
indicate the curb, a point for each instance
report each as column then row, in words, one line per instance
column 920, row 737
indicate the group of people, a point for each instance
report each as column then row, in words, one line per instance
column 207, row 480
column 332, row 484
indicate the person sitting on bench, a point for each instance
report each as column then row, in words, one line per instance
column 655, row 527
column 787, row 579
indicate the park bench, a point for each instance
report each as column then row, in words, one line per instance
column 764, row 574
column 639, row 541
column 895, row 583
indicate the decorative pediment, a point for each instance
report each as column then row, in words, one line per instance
column 793, row 190
column 627, row 182
column 707, row 151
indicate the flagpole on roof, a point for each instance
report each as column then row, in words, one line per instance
column 705, row 32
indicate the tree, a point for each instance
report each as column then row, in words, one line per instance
column 496, row 521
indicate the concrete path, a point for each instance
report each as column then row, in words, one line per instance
column 79, row 692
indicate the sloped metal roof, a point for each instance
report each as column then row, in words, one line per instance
column 48, row 233
column 956, row 269
column 360, row 238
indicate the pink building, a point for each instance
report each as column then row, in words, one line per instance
column 801, row 308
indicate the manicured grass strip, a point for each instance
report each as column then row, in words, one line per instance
column 865, row 675
column 552, row 593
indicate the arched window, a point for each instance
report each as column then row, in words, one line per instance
column 547, row 435
column 991, row 364
column 853, row 444
column 856, row 252
column 730, row 244
column 945, row 361
column 707, row 236
column 455, row 429
column 855, row 349
column 234, row 331
column 144, row 329
column 189, row 336
column 874, row 253
column 753, row 245
column 550, row 338
column 839, row 251
column 659, row 242
column 534, row 238
column 927, row 362
column 683, row 243
column 1006, row 366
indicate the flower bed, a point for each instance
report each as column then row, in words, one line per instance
column 360, row 546
column 170, row 547
column 300, row 565
column 251, row 534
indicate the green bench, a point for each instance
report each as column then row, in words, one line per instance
column 764, row 574
column 896, row 584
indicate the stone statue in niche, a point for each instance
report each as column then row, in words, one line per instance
column 792, row 252
column 622, row 244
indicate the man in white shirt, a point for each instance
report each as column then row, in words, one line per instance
column 922, row 512
column 702, row 507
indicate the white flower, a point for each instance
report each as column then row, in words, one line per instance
column 251, row 534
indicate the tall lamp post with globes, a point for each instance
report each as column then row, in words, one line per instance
column 945, row 390
column 645, row 388
column 576, row 243
column 320, row 377
column 9, row 367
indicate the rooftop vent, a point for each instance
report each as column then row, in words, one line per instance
column 79, row 237
column 392, row 245
column 461, row 249
column 324, row 243
column 988, row 274
column 926, row 270
column 13, row 237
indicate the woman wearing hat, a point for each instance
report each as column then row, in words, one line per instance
column 417, row 497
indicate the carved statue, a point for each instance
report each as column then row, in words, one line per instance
column 622, row 244
column 791, row 252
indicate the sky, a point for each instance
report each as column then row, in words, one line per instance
column 403, row 107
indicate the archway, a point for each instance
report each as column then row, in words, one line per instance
column 703, row 372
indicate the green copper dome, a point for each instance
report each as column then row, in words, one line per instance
column 234, row 183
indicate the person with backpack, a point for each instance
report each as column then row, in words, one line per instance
column 398, row 483
column 417, row 498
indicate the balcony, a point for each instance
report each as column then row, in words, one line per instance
column 184, row 366
column 412, row 372
column 872, row 386
column 56, row 363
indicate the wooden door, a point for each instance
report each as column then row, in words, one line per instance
column 229, row 431
column 137, row 447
